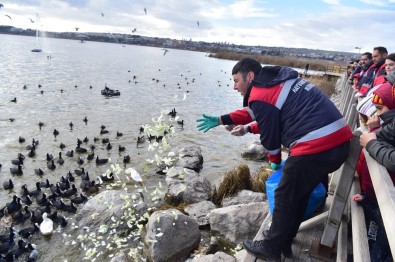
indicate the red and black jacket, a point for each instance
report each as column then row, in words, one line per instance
column 291, row 112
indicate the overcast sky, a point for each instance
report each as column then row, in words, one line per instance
column 317, row 24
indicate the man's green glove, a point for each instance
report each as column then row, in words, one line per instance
column 208, row 122
column 275, row 166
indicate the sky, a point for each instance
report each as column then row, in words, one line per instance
column 338, row 25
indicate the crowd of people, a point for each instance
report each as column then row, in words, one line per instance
column 288, row 111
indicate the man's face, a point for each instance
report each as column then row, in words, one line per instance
column 377, row 57
column 365, row 60
column 240, row 85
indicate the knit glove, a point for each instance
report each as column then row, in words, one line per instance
column 239, row 130
column 208, row 122
column 275, row 166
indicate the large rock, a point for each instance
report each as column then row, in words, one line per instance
column 112, row 203
column 254, row 151
column 190, row 157
column 171, row 236
column 244, row 197
column 238, row 222
column 186, row 185
column 200, row 212
column 217, row 257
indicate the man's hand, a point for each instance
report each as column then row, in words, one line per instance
column 275, row 166
column 239, row 130
column 366, row 137
column 229, row 127
column 208, row 122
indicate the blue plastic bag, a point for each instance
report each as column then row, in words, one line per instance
column 316, row 197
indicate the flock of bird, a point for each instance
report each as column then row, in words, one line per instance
column 101, row 13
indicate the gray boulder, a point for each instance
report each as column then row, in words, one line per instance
column 186, row 185
column 238, row 222
column 217, row 257
column 244, row 197
column 99, row 209
column 254, row 151
column 200, row 212
column 171, row 236
column 190, row 157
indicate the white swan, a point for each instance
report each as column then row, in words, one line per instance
column 46, row 227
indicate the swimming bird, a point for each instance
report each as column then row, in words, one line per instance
column 40, row 125
column 85, row 120
column 28, row 231
column 16, row 170
column 86, row 140
column 70, row 192
column 49, row 157
column 119, row 134
column 8, row 185
column 39, row 172
column 51, row 165
column 19, row 160
column 90, row 156
column 105, row 140
column 45, row 184
column 107, row 177
column 55, row 132
column 71, row 125
column 36, row 191
column 32, row 152
column 26, row 200
column 79, row 199
column 121, row 148
column 14, row 205
column 126, row 159
column 109, row 146
column 46, row 227
column 21, row 140
column 60, row 161
column 70, row 153
column 80, row 160
column 80, row 149
column 70, row 177
column 43, row 200
column 79, row 172
column 62, row 146
column 101, row 161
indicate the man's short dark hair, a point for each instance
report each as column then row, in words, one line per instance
column 368, row 54
column 382, row 50
column 246, row 65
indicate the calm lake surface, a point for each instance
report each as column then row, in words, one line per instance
column 161, row 83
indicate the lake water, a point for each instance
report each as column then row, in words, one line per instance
column 161, row 83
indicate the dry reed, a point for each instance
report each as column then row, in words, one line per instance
column 233, row 181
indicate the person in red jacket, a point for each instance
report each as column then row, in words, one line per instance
column 384, row 102
column 292, row 112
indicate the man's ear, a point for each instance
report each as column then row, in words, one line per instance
column 250, row 76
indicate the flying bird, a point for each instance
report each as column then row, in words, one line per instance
column 31, row 20
column 102, row 14
column 165, row 51
column 145, row 10
column 134, row 30
column 197, row 22
column 77, row 28
column 8, row 16
column 1, row 5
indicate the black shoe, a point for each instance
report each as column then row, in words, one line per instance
column 286, row 249
column 261, row 249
